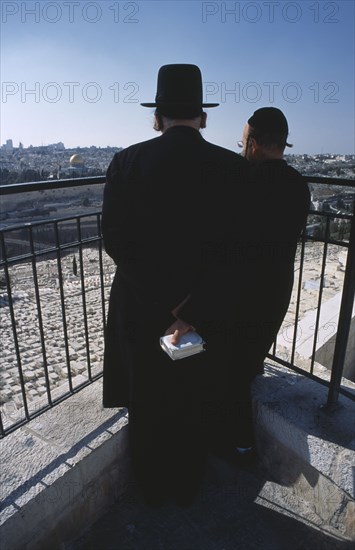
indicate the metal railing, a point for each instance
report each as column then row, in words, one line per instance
column 54, row 287
column 341, row 320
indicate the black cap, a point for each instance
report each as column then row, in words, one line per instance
column 179, row 91
column 270, row 120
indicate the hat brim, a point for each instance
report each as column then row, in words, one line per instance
column 204, row 105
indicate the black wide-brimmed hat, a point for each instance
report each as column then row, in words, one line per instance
column 270, row 120
column 179, row 92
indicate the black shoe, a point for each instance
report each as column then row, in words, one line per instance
column 155, row 501
column 185, row 499
column 153, row 496
column 244, row 456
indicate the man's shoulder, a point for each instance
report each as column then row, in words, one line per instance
column 127, row 155
column 275, row 170
column 297, row 179
column 132, row 149
column 227, row 154
column 292, row 172
column 271, row 176
column 214, row 153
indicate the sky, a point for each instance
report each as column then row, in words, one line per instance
column 76, row 71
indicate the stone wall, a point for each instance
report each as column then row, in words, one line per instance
column 62, row 471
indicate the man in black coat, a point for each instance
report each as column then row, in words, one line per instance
column 277, row 216
column 276, row 219
column 256, row 275
column 169, row 204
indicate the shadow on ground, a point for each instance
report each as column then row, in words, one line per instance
column 237, row 509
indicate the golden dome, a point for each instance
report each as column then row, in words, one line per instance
column 76, row 160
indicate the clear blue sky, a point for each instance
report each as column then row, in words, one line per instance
column 89, row 64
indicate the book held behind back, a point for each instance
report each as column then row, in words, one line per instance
column 189, row 344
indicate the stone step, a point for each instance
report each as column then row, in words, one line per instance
column 237, row 509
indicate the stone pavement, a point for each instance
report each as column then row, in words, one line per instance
column 237, row 509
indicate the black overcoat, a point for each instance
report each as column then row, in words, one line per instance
column 256, row 272
column 169, row 204
column 281, row 208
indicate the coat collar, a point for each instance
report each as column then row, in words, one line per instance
column 187, row 130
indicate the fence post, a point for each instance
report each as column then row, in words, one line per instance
column 344, row 323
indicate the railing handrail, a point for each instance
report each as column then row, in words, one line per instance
column 342, row 182
column 13, row 188
column 53, row 220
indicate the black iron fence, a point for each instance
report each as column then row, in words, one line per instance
column 55, row 280
column 317, row 338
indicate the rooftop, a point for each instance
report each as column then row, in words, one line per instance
column 66, row 458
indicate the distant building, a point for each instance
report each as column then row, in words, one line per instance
column 8, row 146
column 58, row 146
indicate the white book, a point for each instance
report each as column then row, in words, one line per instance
column 189, row 344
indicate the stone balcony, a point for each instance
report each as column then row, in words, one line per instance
column 67, row 482
column 66, row 479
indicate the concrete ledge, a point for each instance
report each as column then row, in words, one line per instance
column 305, row 448
column 62, row 471
column 327, row 332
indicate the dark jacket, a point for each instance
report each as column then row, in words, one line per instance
column 169, row 203
column 251, row 286
column 282, row 201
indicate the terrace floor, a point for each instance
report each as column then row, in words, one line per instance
column 237, row 509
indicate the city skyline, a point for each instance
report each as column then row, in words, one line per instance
column 9, row 145
column 77, row 71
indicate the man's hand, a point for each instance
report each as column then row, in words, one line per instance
column 178, row 329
